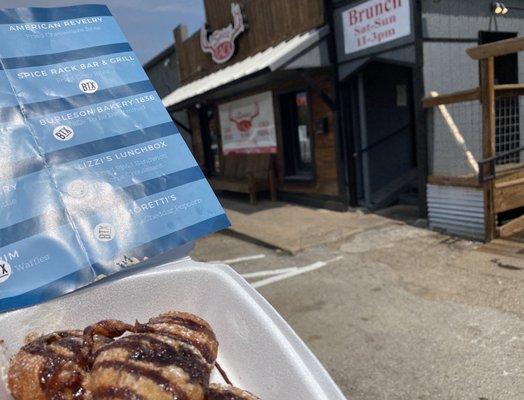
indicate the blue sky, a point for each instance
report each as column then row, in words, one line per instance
column 148, row 24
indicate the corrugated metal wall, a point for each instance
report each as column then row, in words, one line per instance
column 456, row 210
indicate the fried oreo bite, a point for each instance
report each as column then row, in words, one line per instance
column 168, row 358
column 53, row 366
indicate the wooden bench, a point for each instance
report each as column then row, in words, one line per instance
column 247, row 173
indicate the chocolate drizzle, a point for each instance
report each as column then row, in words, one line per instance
column 185, row 322
column 223, row 373
column 140, row 371
column 219, row 392
column 201, row 346
column 116, row 393
column 146, row 348
column 61, row 373
column 108, row 329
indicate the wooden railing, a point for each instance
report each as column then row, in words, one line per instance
column 451, row 98
column 516, row 89
column 496, row 49
column 498, row 196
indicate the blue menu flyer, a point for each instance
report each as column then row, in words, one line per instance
column 94, row 175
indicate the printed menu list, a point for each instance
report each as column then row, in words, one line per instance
column 94, row 175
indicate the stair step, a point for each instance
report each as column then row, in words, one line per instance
column 408, row 198
column 512, row 227
column 390, row 193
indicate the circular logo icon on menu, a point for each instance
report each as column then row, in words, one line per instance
column 88, row 86
column 104, row 232
column 63, row 133
column 5, row 271
column 77, row 189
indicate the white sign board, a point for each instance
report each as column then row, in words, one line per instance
column 375, row 22
column 248, row 125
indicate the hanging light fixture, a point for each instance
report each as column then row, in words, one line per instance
column 498, row 8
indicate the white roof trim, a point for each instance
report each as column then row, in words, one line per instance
column 272, row 57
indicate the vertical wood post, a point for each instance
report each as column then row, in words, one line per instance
column 487, row 91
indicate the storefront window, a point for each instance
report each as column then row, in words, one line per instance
column 296, row 135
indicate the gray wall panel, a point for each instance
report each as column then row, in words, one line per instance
column 447, row 68
column 464, row 18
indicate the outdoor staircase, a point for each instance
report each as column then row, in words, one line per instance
column 390, row 193
column 509, row 198
column 512, row 227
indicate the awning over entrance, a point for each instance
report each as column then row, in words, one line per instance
column 298, row 52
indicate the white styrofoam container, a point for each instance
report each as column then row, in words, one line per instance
column 258, row 349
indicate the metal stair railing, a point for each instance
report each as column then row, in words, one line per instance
column 491, row 173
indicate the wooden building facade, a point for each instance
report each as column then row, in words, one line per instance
column 325, row 100
column 266, row 76
column 393, row 53
column 379, row 81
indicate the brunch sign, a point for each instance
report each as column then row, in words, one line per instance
column 375, row 22
column 248, row 125
column 221, row 43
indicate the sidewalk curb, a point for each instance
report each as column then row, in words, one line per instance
column 294, row 250
column 242, row 236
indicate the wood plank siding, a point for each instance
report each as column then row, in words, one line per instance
column 269, row 22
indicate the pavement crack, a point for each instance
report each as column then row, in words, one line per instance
column 511, row 267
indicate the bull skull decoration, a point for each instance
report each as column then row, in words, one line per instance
column 244, row 122
column 221, row 43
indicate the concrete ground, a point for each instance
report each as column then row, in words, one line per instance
column 291, row 227
column 397, row 312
